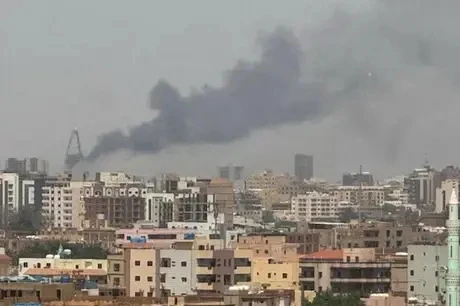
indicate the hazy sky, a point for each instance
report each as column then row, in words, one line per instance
column 90, row 65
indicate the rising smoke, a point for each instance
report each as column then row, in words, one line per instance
column 353, row 64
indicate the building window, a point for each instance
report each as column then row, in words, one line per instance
column 357, row 258
column 184, row 279
column 411, row 272
column 25, row 264
column 137, row 278
column 348, row 258
column 412, row 257
column 48, row 265
column 412, row 288
column 436, row 258
column 137, row 263
column 116, row 281
column 284, row 275
column 116, row 267
column 269, row 275
column 39, row 265
column 183, row 263
column 99, row 266
column 149, row 278
column 266, row 251
column 149, row 263
column 436, row 273
column 320, row 274
column 436, row 289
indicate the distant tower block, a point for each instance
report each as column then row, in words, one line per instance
column 74, row 154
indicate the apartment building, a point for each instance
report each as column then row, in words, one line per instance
column 279, row 245
column 55, row 262
column 142, row 270
column 177, row 268
column 427, row 269
column 421, row 185
column 243, row 265
column 223, row 196
column 62, row 205
column 316, row 205
column 444, row 191
column 116, row 274
column 155, row 203
column 276, row 274
column 345, row 271
column 361, row 195
column 121, row 205
column 266, row 184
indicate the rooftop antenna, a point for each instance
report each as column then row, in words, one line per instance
column 73, row 154
column 426, row 163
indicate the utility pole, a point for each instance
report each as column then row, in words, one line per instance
column 360, row 192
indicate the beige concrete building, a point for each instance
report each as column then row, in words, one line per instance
column 224, row 197
column 214, row 265
column 318, row 205
column 358, row 271
column 363, row 196
column 279, row 245
column 61, row 263
column 142, row 270
column 276, row 274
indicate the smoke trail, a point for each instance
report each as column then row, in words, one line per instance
column 352, row 57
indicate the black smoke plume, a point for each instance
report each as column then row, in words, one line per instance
column 344, row 65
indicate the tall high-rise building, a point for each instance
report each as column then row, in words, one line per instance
column 230, row 172
column 303, row 166
column 453, row 271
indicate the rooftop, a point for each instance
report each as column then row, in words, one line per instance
column 326, row 254
column 59, row 272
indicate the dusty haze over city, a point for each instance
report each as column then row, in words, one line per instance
column 357, row 82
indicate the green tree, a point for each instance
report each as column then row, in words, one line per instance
column 79, row 250
column 347, row 215
column 328, row 298
column 26, row 219
column 388, row 208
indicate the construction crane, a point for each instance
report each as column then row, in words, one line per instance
column 73, row 154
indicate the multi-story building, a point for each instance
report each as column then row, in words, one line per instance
column 27, row 165
column 303, row 166
column 363, row 196
column 421, row 186
column 357, row 179
column 215, row 266
column 280, row 274
column 316, row 205
column 55, row 262
column 444, row 191
column 249, row 205
column 121, row 205
column 346, row 271
column 155, row 204
column 62, row 205
column 427, row 267
column 223, row 197
column 142, row 270
column 373, row 235
column 177, row 268
column 279, row 245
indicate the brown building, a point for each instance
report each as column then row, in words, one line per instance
column 358, row 271
column 27, row 292
column 120, row 206
column 371, row 235
column 279, row 245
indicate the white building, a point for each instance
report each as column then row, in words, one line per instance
column 11, row 191
column 316, row 205
column 153, row 203
column 362, row 196
column 62, row 204
column 443, row 192
column 177, row 268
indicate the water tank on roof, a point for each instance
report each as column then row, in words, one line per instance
column 189, row 236
column 138, row 239
column 49, row 256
